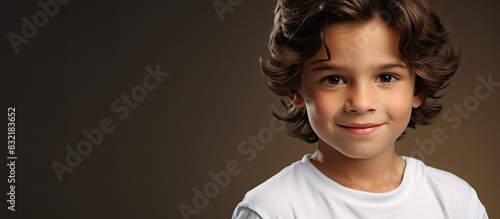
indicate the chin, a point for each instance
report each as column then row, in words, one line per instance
column 360, row 155
column 363, row 151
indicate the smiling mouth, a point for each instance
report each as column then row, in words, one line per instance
column 362, row 129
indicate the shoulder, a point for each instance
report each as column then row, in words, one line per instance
column 438, row 177
column 276, row 193
column 276, row 186
column 451, row 190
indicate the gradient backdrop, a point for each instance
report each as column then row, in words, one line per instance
column 65, row 77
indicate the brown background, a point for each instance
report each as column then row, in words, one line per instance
column 65, row 78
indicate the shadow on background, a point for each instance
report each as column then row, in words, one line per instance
column 142, row 107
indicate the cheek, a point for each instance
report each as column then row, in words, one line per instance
column 321, row 106
column 320, row 112
column 399, row 107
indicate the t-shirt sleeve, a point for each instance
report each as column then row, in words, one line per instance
column 477, row 206
column 485, row 215
column 482, row 212
column 245, row 213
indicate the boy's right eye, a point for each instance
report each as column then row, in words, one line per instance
column 333, row 79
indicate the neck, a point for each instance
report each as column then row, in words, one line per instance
column 381, row 173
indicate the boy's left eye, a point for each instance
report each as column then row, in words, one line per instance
column 385, row 78
column 333, row 80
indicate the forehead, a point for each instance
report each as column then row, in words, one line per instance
column 360, row 42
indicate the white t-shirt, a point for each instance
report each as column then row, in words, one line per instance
column 300, row 191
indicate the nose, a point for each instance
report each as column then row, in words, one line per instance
column 361, row 99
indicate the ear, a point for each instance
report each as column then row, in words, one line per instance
column 296, row 98
column 418, row 98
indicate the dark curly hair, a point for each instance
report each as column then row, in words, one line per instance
column 298, row 34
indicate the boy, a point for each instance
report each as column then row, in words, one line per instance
column 358, row 73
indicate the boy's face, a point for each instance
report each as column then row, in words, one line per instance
column 360, row 101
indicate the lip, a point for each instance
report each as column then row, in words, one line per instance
column 362, row 129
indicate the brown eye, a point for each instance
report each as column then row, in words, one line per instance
column 386, row 79
column 333, row 80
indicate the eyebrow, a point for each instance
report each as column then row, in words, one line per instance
column 329, row 67
column 390, row 66
column 381, row 67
